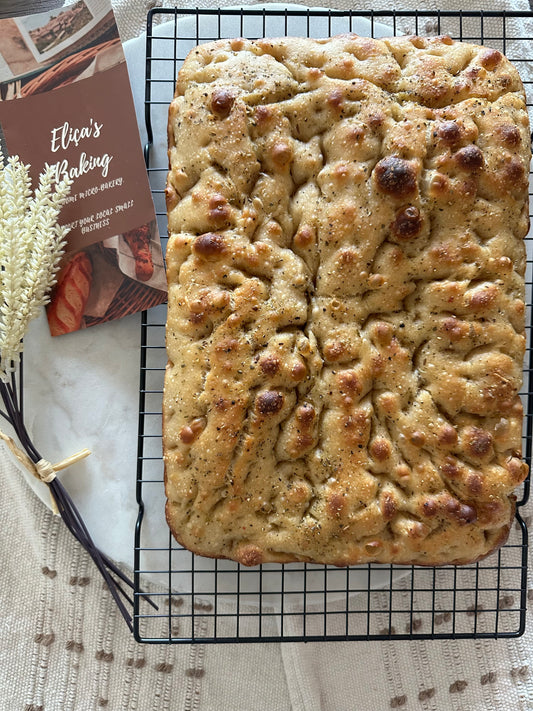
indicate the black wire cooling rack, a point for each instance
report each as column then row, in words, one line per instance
column 203, row 600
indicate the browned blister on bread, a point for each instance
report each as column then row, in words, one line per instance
column 345, row 327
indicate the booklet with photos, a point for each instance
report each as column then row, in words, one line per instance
column 65, row 101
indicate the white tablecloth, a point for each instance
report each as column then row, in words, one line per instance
column 63, row 646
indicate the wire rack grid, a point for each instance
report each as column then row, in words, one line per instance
column 203, row 600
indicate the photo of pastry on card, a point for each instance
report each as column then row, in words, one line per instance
column 138, row 255
column 107, row 280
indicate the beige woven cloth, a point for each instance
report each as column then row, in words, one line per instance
column 63, row 647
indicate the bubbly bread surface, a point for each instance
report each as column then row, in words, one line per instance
column 345, row 328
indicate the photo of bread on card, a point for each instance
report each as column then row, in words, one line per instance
column 71, row 293
column 107, row 280
column 345, row 328
column 138, row 240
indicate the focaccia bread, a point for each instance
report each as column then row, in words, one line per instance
column 345, row 326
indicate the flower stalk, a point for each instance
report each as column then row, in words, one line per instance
column 31, row 246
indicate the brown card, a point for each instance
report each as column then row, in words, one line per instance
column 65, row 101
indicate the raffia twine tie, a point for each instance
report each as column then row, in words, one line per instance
column 43, row 470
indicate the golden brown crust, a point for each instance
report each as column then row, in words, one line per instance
column 345, row 329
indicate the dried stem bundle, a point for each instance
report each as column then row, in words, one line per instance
column 31, row 246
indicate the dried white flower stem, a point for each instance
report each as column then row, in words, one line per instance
column 31, row 246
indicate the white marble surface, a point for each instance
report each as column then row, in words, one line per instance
column 81, row 390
